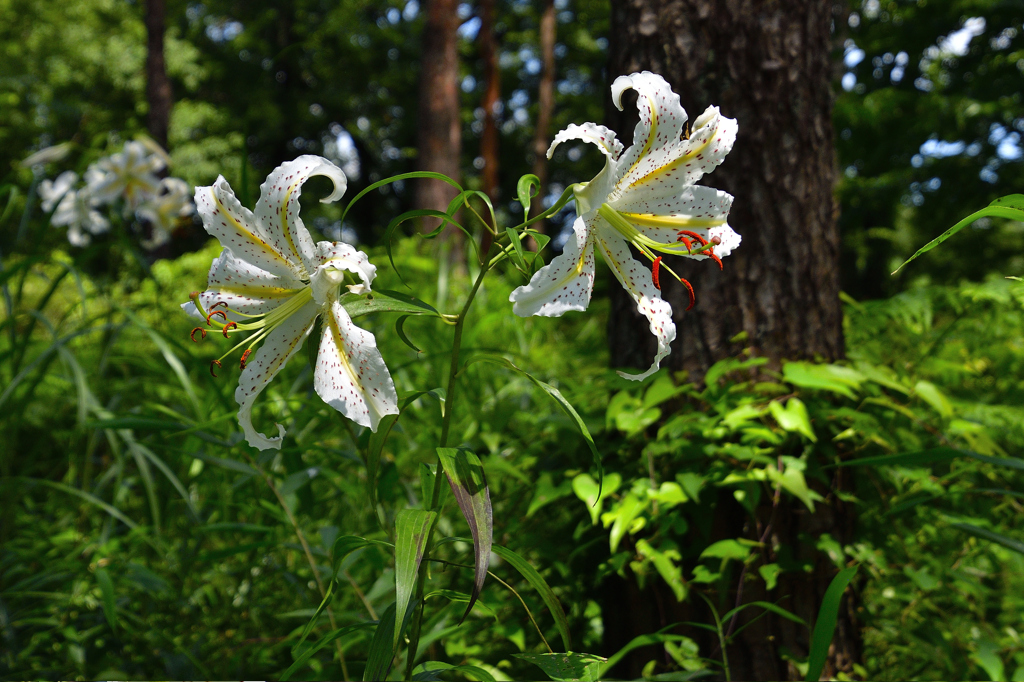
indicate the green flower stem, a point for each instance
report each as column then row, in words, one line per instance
column 435, row 495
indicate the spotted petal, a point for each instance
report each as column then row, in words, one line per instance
column 244, row 288
column 637, row 281
column 332, row 259
column 236, row 229
column 604, row 138
column 275, row 351
column 657, row 134
column 277, row 210
column 350, row 373
column 563, row 284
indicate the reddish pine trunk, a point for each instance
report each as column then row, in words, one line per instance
column 545, row 105
column 767, row 64
column 492, row 95
column 158, row 86
column 440, row 129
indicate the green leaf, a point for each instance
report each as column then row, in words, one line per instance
column 558, row 398
column 770, row 574
column 930, row 456
column 400, row 330
column 518, row 256
column 835, row 378
column 1008, row 542
column 643, row 640
column 1003, row 207
column 930, row 393
column 396, row 178
column 825, row 625
column 587, row 489
column 322, row 642
column 664, row 563
column 623, row 515
column 767, row 606
column 469, row 484
column 793, row 481
column 385, row 301
column 430, row 671
column 570, row 667
column 793, row 417
column 727, row 549
column 382, row 648
column 412, row 530
column 107, row 594
column 538, row 583
column 526, row 189
column 345, row 545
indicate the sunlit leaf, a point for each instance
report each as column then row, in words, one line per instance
column 466, row 477
column 568, row 667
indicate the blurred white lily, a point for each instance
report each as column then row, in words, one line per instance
column 129, row 174
column 165, row 210
column 272, row 280
column 77, row 212
column 52, row 191
column 644, row 197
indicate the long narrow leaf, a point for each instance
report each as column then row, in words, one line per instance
column 825, row 625
column 466, row 477
column 537, row 581
column 395, row 178
column 382, row 650
column 1009, row 543
column 320, row 644
column 555, row 395
column 412, row 531
column 1003, row 207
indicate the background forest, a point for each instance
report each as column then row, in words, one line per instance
column 140, row 537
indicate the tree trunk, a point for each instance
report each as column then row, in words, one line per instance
column 492, row 95
column 766, row 63
column 545, row 105
column 440, row 128
column 158, row 86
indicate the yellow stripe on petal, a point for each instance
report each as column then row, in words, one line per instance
column 671, row 221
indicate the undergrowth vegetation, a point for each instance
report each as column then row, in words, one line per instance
column 141, row 537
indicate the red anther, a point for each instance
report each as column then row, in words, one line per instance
column 654, row 272
column 223, row 303
column 245, row 355
column 711, row 254
column 688, row 233
column 216, row 312
column 228, row 326
column 193, row 334
column 217, row 363
column 689, row 290
column 686, row 242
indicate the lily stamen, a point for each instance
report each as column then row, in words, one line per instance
column 217, row 363
column 215, row 312
column 230, row 325
column 654, row 272
column 193, row 334
column 245, row 356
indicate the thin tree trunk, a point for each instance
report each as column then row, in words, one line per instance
column 492, row 95
column 545, row 105
column 158, row 86
column 440, row 129
column 767, row 64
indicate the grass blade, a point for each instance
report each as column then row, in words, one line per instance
column 382, row 651
column 825, row 625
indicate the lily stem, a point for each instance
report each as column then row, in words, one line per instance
column 435, row 494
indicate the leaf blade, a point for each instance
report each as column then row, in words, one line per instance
column 412, row 530
column 825, row 625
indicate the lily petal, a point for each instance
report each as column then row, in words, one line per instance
column 332, row 258
column 730, row 240
column 244, row 287
column 278, row 207
column 275, row 351
column 604, row 138
column 236, row 229
column 563, row 284
column 637, row 280
column 658, row 133
column 350, row 373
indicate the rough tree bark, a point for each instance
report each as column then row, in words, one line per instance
column 440, row 128
column 766, row 63
column 545, row 106
column 158, row 86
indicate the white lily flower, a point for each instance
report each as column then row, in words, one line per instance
column 77, row 212
column 165, row 210
column 129, row 174
column 52, row 191
column 644, row 196
column 273, row 280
